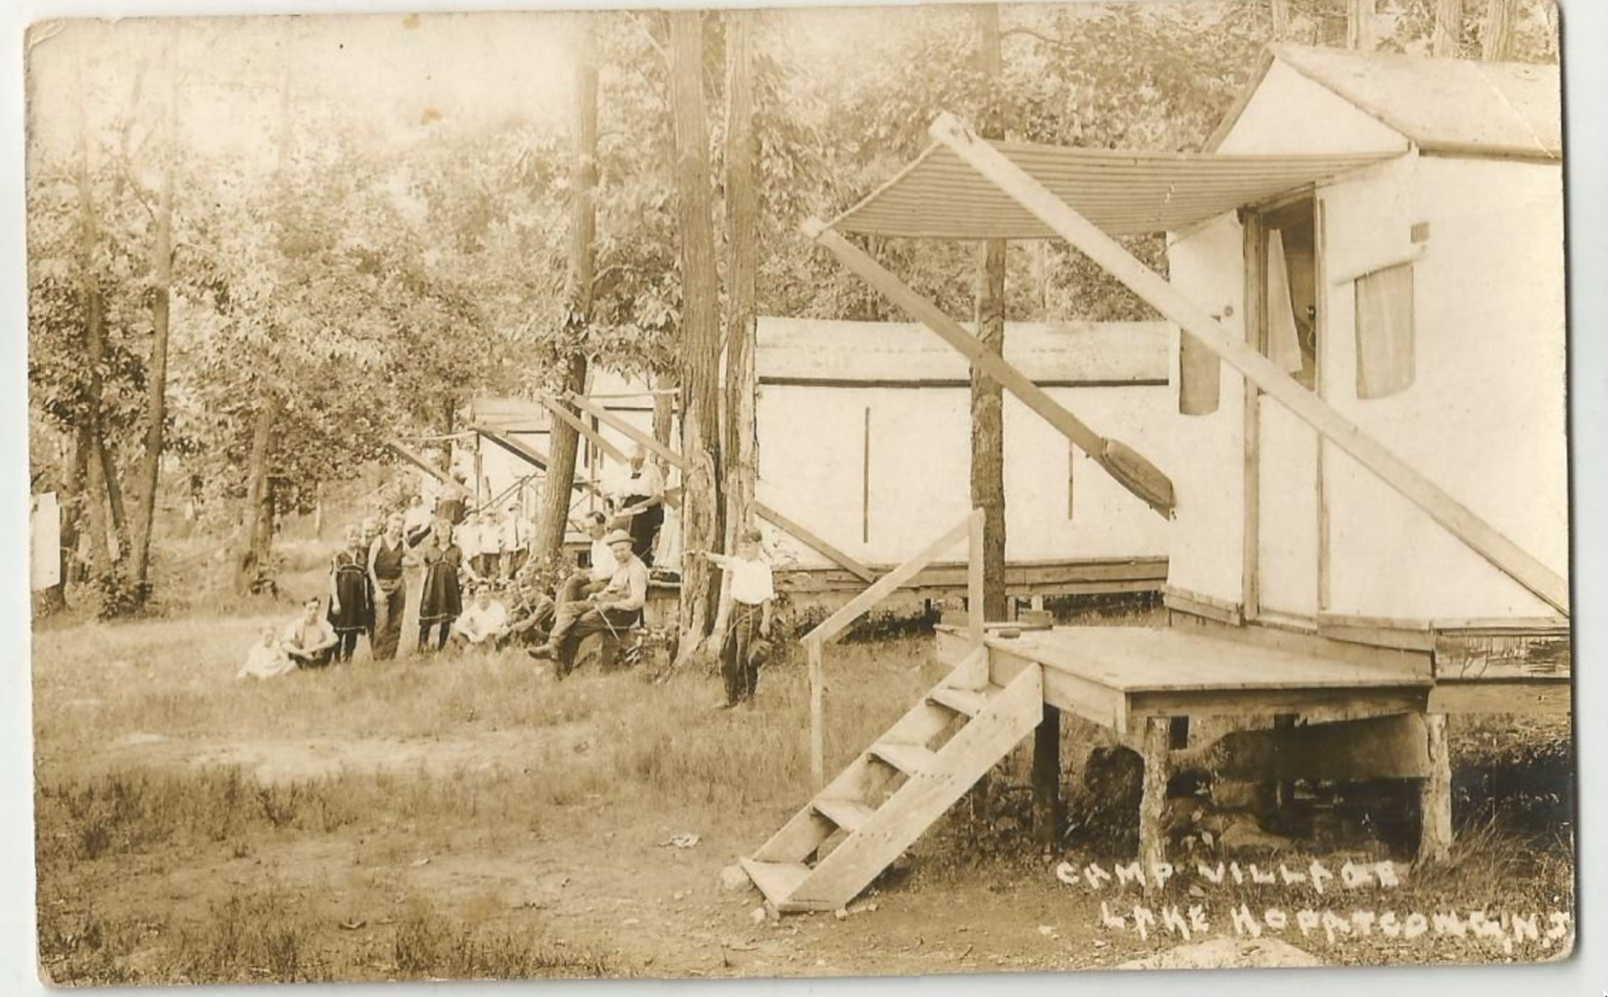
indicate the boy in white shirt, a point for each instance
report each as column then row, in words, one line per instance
column 483, row 624
column 747, row 645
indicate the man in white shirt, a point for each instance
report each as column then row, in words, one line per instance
column 467, row 537
column 416, row 521
column 483, row 624
column 640, row 496
column 574, row 591
column 747, row 645
column 514, row 541
column 309, row 640
column 614, row 610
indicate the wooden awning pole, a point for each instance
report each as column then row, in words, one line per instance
column 1458, row 519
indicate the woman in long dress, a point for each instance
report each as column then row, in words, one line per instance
column 441, row 596
column 351, row 595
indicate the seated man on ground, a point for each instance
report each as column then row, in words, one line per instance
column 309, row 640
column 530, row 615
column 483, row 624
column 266, row 660
column 614, row 610
column 582, row 583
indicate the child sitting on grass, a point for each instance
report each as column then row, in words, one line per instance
column 266, row 659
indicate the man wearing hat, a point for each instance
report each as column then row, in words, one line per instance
column 747, row 643
column 612, row 610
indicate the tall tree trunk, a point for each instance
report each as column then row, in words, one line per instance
column 1281, row 19
column 1497, row 44
column 700, row 332
column 156, row 369
column 114, row 498
column 100, row 565
column 664, row 408
column 89, row 428
column 742, row 228
column 1448, row 38
column 259, row 532
column 987, row 397
column 554, row 519
column 1360, row 25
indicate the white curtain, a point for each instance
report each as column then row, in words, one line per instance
column 1283, row 341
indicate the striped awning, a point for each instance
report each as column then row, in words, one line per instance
column 1125, row 193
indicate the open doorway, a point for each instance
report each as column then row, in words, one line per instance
column 1283, row 514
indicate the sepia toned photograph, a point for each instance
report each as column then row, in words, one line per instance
column 799, row 492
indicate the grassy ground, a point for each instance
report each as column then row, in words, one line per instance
column 468, row 817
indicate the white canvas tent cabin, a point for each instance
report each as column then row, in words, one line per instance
column 866, row 426
column 1405, row 362
column 1426, row 301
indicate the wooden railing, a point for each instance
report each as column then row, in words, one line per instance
column 970, row 530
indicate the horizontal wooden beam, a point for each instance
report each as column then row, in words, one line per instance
column 763, row 511
column 1456, row 518
column 954, row 383
column 1129, row 468
column 1185, row 601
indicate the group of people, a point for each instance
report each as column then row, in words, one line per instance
column 456, row 549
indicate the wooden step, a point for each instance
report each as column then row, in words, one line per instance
column 777, row 880
column 907, row 758
column 967, row 702
column 847, row 814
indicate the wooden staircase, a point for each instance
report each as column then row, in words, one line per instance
column 881, row 803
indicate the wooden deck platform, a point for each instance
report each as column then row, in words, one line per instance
column 1122, row 676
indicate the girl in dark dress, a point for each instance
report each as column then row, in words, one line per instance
column 441, row 597
column 351, row 595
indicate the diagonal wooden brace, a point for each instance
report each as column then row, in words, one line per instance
column 1456, row 518
column 420, row 463
column 557, row 408
column 1128, row 467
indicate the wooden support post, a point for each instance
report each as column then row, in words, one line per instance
column 1435, row 799
column 817, row 714
column 1153, row 805
column 1479, row 535
column 1130, row 469
column 1284, row 790
column 974, row 576
column 1047, row 779
column 975, row 526
column 1255, row 257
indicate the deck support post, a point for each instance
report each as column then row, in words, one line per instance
column 1047, row 812
column 1153, row 804
column 1435, row 799
column 1284, row 789
column 817, row 714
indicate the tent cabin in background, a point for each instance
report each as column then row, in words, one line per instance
column 1366, row 460
column 864, row 427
